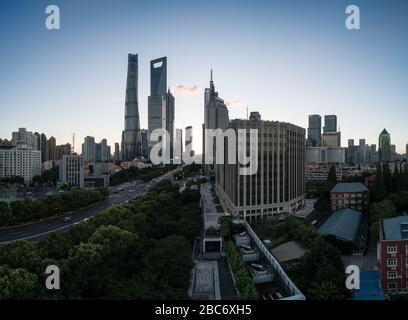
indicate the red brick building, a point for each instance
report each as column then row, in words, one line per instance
column 349, row 195
column 393, row 253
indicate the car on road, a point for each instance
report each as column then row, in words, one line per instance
column 67, row 219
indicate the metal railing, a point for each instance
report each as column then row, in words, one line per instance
column 296, row 294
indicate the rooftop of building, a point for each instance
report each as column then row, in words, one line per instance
column 395, row 228
column 288, row 251
column 349, row 187
column 343, row 224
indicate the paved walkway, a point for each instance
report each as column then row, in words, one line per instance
column 206, row 284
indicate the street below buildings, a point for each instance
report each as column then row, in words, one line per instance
column 119, row 195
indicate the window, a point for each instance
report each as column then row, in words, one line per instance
column 406, row 262
column 391, row 274
column 392, row 286
column 391, row 248
column 392, row 262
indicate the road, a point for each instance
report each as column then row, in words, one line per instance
column 37, row 231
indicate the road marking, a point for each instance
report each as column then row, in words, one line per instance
column 36, row 235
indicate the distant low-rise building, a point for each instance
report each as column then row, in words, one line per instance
column 393, row 253
column 349, row 195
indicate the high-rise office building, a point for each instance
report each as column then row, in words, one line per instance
column 277, row 188
column 43, row 146
column 384, row 146
column 145, row 143
column 131, row 139
column 314, row 130
column 393, row 149
column 406, row 150
column 178, row 146
column 104, row 151
column 89, row 149
column 330, row 123
column 51, row 149
column 116, row 154
column 216, row 116
column 61, row 150
column 160, row 103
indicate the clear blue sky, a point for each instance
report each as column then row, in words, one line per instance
column 285, row 59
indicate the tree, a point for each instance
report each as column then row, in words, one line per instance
column 379, row 188
column 21, row 254
column 380, row 210
column 323, row 270
column 55, row 246
column 332, row 176
column 17, row 284
column 387, row 177
column 5, row 214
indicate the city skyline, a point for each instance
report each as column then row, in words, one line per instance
column 311, row 65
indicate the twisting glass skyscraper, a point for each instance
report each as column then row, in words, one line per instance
column 131, row 137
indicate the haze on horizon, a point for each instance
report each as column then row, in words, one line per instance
column 285, row 59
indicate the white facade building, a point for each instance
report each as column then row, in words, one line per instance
column 21, row 161
column 72, row 170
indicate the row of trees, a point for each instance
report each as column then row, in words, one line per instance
column 387, row 182
column 48, row 177
column 134, row 173
column 140, row 250
column 243, row 280
column 28, row 210
column 11, row 180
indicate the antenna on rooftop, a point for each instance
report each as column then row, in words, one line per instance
column 73, row 143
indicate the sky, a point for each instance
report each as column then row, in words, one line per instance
column 286, row 59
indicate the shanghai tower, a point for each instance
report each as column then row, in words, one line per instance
column 131, row 136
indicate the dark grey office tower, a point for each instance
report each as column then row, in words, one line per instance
column 315, row 130
column 131, row 138
column 145, row 143
column 330, row 123
column 160, row 102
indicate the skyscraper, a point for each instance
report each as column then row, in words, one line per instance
column 89, row 149
column 116, row 155
column 51, row 149
column 330, row 123
column 315, row 130
column 216, row 116
column 384, row 146
column 145, row 143
column 160, row 102
column 43, row 146
column 61, row 150
column 131, row 139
